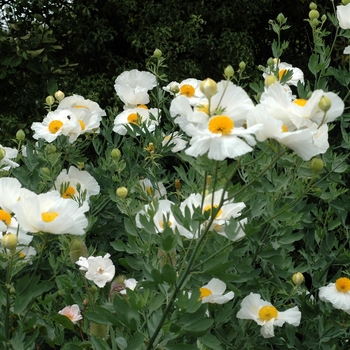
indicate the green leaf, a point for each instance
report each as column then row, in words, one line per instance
column 52, row 86
column 64, row 321
column 211, row 342
column 136, row 342
column 168, row 274
column 181, row 347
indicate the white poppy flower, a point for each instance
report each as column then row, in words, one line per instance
column 72, row 312
column 343, row 15
column 337, row 293
column 174, row 140
column 6, row 162
column 347, row 50
column 266, row 315
column 130, row 283
column 213, row 292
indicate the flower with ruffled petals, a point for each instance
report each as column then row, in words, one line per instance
column 72, row 312
column 213, row 292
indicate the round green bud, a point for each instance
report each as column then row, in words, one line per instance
column 50, row 100
column 45, row 171
column 345, row 2
column 312, row 6
column 242, row 65
column 59, row 95
column 314, row 14
column 281, row 18
column 9, row 241
column 157, row 53
column 316, row 164
column 270, row 62
column 315, row 22
column 20, row 135
column 93, row 289
column 229, row 72
column 50, row 148
column 323, row 18
column 115, row 153
column 2, row 153
column 77, row 249
column 12, row 290
column 298, row 278
column 122, row 192
column 270, row 79
column 325, row 104
column 208, row 87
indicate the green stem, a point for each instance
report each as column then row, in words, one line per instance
column 8, row 302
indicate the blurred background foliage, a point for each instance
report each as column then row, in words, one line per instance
column 81, row 46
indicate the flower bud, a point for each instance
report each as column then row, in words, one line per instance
column 316, row 164
column 314, row 14
column 271, row 62
column 20, row 135
column 45, row 171
column 315, row 22
column 312, row 6
column 208, row 87
column 59, row 95
column 280, row 18
column 122, row 192
column 325, row 104
column 242, row 65
column 2, row 153
column 50, row 148
column 50, row 100
column 345, row 2
column 177, row 184
column 229, row 72
column 298, row 278
column 157, row 53
column 324, row 18
column 270, row 79
column 9, row 241
column 99, row 330
column 174, row 89
column 77, row 248
column 115, row 153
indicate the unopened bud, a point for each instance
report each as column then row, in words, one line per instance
column 312, row 6
column 115, row 153
column 77, row 248
column 298, row 278
column 208, row 180
column 20, row 135
column 122, row 192
column 271, row 62
column 270, row 79
column 314, row 14
column 229, row 72
column 323, row 18
column 9, row 241
column 45, row 171
column 99, row 330
column 315, row 22
column 280, row 18
column 50, row 100
column 316, row 164
column 345, row 2
column 242, row 65
column 50, row 148
column 174, row 89
column 178, row 184
column 325, row 104
column 208, row 87
column 2, row 153
column 59, row 95
column 157, row 53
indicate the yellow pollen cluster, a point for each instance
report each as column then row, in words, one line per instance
column 100, row 271
column 149, row 190
column 5, row 216
column 82, row 124
column 132, row 118
column 210, row 208
column 69, row 193
column 221, row 124
column 142, row 106
column 187, row 90
column 205, row 292
column 161, row 224
column 49, row 216
column 284, row 128
column 342, row 284
column 21, row 255
column 54, row 126
column 300, row 102
column 268, row 312
column 282, row 72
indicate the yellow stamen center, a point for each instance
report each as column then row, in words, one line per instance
column 161, row 224
column 69, row 193
column 54, row 126
column 21, row 255
column 49, row 216
column 282, row 72
column 342, row 284
column 268, row 312
column 187, row 90
column 5, row 216
column 300, row 102
column 82, row 124
column 132, row 118
column 142, row 106
column 100, row 271
column 284, row 128
column 205, row 292
column 221, row 124
column 210, row 208
column 149, row 190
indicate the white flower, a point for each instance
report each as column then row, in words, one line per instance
column 152, row 191
column 283, row 68
column 56, row 123
column 6, row 163
column 50, row 213
column 213, row 292
column 174, row 140
column 347, row 50
column 137, row 116
column 98, row 269
column 266, row 315
column 343, row 15
column 72, row 312
column 130, row 283
column 337, row 293
column 26, row 253
column 132, row 86
column 67, row 183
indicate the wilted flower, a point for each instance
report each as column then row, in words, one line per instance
column 213, row 292
column 72, row 312
column 266, row 315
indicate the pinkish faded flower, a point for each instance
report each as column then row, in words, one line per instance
column 72, row 312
